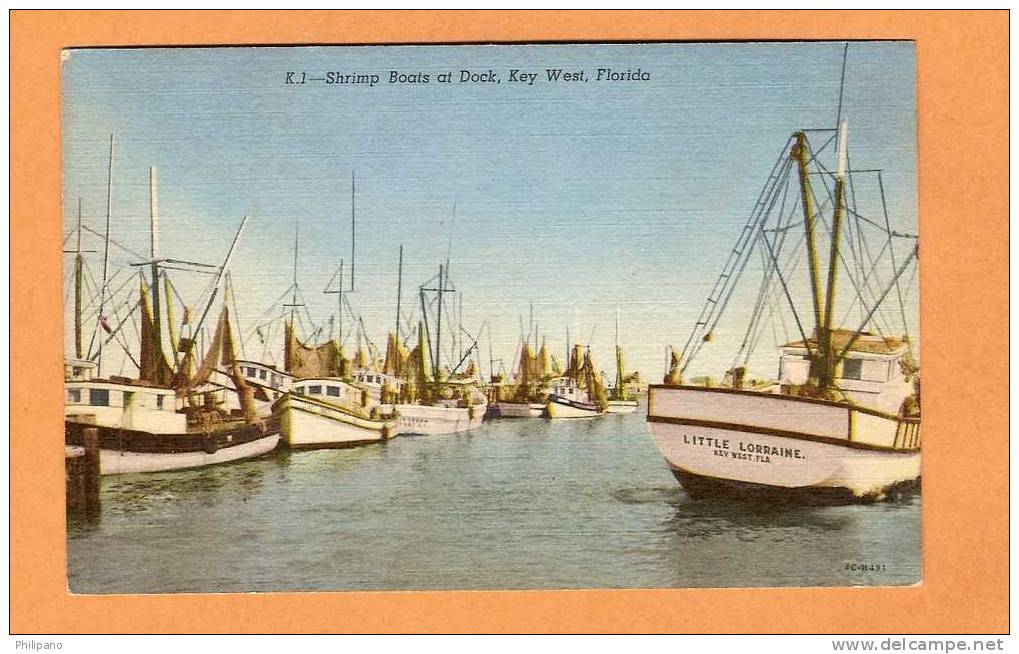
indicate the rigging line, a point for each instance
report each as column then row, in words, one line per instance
column 91, row 310
column 122, row 341
column 733, row 270
column 853, row 304
column 112, row 242
column 120, row 326
column 755, row 216
column 849, row 344
column 720, row 309
column 237, row 314
column 794, row 263
column 852, row 210
column 788, row 297
column 278, row 300
column 898, row 288
column 842, row 85
column 841, row 256
column 755, row 314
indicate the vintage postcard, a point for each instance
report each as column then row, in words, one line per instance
column 451, row 317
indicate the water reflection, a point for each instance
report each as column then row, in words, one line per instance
column 525, row 503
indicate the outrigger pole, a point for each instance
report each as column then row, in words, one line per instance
column 215, row 288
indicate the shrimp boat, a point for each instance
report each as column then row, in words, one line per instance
column 428, row 404
column 842, row 425
column 580, row 392
column 163, row 420
column 527, row 397
column 430, row 399
column 324, row 408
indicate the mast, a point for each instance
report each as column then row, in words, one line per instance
column 293, row 302
column 491, row 358
column 800, row 153
column 353, row 237
column 154, row 248
column 399, row 291
column 619, row 362
column 339, row 309
column 438, row 323
column 215, row 286
column 78, row 264
column 824, row 338
column 106, row 256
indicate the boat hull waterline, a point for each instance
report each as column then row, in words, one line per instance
column 561, row 407
column 125, row 451
column 425, row 420
column 760, row 456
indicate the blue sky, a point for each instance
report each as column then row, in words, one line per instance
column 577, row 197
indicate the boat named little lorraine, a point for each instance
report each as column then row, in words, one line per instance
column 843, row 422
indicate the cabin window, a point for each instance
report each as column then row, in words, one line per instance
column 333, row 391
column 299, row 390
column 159, row 402
column 314, row 390
column 249, row 371
column 78, row 371
column 74, row 395
column 261, row 374
column 852, row 369
column 99, row 397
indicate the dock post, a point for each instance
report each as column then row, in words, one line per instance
column 91, row 483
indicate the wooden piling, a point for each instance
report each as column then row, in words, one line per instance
column 82, row 472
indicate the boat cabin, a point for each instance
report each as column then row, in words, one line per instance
column 265, row 375
column 374, row 381
column 567, row 388
column 79, row 370
column 329, row 389
column 125, row 404
column 871, row 374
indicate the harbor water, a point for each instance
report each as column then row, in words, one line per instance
column 527, row 503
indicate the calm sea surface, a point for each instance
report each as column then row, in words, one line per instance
column 516, row 504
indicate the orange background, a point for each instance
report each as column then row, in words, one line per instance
column 963, row 148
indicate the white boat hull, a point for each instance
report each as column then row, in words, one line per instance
column 428, row 420
column 719, row 442
column 114, row 462
column 557, row 408
column 516, row 410
column 621, row 406
column 311, row 424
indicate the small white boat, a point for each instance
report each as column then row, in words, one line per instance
column 331, row 413
column 443, row 417
column 569, row 401
column 516, row 410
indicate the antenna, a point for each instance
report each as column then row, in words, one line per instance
column 842, row 85
column 106, row 259
column 353, row 233
column 399, row 291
